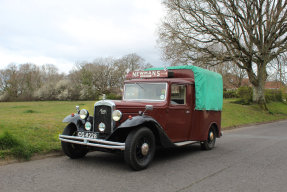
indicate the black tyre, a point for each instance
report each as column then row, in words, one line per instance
column 139, row 148
column 72, row 150
column 210, row 142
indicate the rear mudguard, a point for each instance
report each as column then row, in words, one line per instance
column 146, row 121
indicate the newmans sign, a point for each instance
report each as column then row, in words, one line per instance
column 147, row 74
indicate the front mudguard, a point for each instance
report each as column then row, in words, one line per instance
column 146, row 121
column 136, row 121
column 74, row 119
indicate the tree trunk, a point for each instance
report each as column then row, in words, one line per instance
column 258, row 83
column 258, row 94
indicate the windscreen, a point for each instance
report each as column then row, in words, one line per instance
column 145, row 91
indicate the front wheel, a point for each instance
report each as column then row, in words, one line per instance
column 139, row 148
column 74, row 151
column 210, row 142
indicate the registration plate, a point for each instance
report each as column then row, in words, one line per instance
column 87, row 135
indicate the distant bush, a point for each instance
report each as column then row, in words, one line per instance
column 285, row 97
column 229, row 94
column 4, row 97
column 245, row 95
column 273, row 95
column 113, row 96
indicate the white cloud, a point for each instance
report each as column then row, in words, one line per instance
column 8, row 57
column 64, row 32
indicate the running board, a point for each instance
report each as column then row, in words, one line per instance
column 178, row 144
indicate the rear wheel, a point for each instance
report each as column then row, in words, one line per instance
column 139, row 148
column 72, row 150
column 210, row 142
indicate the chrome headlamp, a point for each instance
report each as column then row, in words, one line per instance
column 88, row 126
column 117, row 115
column 84, row 114
column 102, row 127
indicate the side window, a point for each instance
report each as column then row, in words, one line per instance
column 178, row 94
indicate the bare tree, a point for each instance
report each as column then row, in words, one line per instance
column 3, row 81
column 127, row 63
column 279, row 69
column 105, row 74
column 29, row 77
column 87, row 81
column 9, row 83
column 50, row 79
column 249, row 33
column 93, row 78
column 232, row 75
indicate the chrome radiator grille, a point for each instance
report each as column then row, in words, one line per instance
column 103, row 116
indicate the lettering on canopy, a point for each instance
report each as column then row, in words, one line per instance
column 147, row 74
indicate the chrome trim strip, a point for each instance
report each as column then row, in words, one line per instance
column 97, row 142
column 185, row 143
column 93, row 140
column 144, row 100
column 105, row 102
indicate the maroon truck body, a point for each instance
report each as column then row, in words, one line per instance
column 168, row 124
column 180, row 122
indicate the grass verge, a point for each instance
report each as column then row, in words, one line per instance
column 11, row 146
column 234, row 114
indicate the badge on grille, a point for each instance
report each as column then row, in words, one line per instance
column 103, row 112
column 102, row 127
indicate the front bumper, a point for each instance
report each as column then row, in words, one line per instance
column 92, row 142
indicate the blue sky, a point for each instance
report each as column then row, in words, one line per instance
column 69, row 31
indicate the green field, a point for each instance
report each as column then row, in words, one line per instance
column 237, row 115
column 36, row 125
column 33, row 127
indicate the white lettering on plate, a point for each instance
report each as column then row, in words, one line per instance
column 149, row 74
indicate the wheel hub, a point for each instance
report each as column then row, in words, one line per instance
column 211, row 136
column 144, row 149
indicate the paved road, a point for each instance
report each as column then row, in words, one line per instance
column 247, row 159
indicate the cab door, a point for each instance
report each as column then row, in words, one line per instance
column 179, row 113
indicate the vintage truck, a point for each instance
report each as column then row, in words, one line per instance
column 161, row 107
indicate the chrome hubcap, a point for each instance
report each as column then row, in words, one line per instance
column 211, row 136
column 145, row 149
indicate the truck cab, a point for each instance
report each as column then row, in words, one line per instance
column 159, row 108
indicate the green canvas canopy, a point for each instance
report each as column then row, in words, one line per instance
column 208, row 87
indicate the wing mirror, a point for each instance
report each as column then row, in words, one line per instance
column 147, row 108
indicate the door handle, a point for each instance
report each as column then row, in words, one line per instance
column 187, row 111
